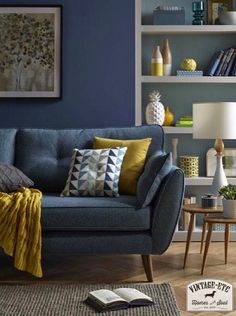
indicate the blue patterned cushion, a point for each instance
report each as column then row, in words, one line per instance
column 94, row 172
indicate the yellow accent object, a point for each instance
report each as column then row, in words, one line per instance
column 188, row 64
column 157, row 69
column 20, row 229
column 169, row 117
column 133, row 162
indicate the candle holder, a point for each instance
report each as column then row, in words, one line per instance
column 198, row 13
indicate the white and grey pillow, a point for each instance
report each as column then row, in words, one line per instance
column 94, row 172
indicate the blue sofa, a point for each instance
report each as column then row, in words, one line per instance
column 94, row 225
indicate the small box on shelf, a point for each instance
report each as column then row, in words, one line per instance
column 169, row 15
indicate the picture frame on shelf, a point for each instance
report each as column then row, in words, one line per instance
column 215, row 7
column 229, row 162
column 31, row 51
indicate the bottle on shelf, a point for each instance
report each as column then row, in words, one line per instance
column 157, row 62
column 198, row 13
column 169, row 117
column 167, row 58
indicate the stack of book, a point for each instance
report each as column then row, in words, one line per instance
column 187, row 73
column 185, row 121
column 223, row 63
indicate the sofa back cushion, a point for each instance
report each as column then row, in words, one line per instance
column 44, row 155
column 7, row 145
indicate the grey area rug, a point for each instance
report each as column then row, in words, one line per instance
column 67, row 300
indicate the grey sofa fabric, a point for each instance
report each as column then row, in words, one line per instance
column 94, row 214
column 166, row 210
column 89, row 225
column 97, row 242
column 7, row 145
column 44, row 155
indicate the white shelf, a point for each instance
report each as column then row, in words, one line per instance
column 177, row 130
column 205, row 181
column 187, row 29
column 185, row 79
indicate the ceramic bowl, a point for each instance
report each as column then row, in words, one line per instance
column 228, row 18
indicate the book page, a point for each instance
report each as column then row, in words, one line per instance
column 106, row 297
column 130, row 294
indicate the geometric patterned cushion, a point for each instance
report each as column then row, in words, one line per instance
column 94, row 172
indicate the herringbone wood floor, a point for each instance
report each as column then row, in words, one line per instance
column 128, row 268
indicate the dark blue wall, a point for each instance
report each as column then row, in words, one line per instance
column 98, row 70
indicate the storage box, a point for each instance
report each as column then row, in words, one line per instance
column 169, row 16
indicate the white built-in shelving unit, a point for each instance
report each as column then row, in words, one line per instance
column 178, row 30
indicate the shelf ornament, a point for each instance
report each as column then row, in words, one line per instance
column 155, row 111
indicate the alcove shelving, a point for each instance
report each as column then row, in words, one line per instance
column 200, row 43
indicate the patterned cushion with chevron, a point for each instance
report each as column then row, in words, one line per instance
column 94, row 172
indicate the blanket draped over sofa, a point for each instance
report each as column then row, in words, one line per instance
column 20, row 228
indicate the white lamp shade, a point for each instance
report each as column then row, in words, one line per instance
column 214, row 120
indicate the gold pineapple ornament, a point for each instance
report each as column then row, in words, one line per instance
column 155, row 112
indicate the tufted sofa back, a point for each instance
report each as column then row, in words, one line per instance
column 44, row 155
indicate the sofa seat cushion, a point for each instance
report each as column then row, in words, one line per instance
column 94, row 214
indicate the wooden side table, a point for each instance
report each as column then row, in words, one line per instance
column 210, row 221
column 194, row 209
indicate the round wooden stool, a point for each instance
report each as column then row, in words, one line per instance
column 194, row 209
column 210, row 221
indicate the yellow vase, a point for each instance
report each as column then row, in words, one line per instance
column 169, row 117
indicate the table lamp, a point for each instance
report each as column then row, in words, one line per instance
column 215, row 120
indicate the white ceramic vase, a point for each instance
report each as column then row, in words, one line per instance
column 229, row 208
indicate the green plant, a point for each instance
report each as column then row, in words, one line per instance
column 228, row 192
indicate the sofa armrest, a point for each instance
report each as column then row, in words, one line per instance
column 166, row 210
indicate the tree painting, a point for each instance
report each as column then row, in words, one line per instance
column 26, row 52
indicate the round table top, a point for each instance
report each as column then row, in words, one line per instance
column 220, row 220
column 196, row 208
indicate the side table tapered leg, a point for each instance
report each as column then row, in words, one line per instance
column 208, row 240
column 226, row 241
column 190, row 230
column 203, row 233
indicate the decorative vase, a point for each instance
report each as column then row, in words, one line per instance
column 190, row 166
column 198, row 15
column 155, row 112
column 157, row 62
column 169, row 117
column 229, row 208
column 167, row 58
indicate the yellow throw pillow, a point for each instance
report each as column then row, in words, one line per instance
column 133, row 162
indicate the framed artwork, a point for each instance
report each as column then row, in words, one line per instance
column 229, row 162
column 30, row 51
column 215, row 7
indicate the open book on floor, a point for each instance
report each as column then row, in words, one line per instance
column 106, row 300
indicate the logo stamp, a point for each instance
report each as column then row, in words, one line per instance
column 210, row 295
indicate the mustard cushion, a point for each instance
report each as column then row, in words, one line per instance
column 133, row 162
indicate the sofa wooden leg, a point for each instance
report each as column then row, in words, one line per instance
column 147, row 263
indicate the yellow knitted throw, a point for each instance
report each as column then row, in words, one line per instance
column 20, row 229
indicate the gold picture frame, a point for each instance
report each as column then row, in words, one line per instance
column 215, row 7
